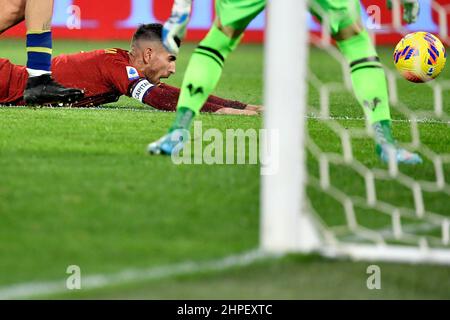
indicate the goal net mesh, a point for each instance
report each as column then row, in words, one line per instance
column 353, row 197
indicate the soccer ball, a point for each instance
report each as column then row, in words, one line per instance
column 420, row 57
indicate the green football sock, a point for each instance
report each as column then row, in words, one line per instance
column 368, row 77
column 383, row 133
column 203, row 74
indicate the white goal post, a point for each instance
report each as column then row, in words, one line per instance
column 288, row 221
column 283, row 186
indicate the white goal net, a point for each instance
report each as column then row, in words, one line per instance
column 333, row 195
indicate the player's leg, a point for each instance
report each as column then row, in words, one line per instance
column 367, row 74
column 368, row 78
column 13, row 12
column 206, row 64
column 38, row 17
column 205, row 67
column 40, row 86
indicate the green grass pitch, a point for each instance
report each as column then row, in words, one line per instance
column 76, row 187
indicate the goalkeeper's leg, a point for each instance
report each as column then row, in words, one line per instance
column 205, row 67
column 206, row 64
column 204, row 71
column 367, row 74
column 202, row 75
column 370, row 88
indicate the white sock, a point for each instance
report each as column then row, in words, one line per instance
column 37, row 73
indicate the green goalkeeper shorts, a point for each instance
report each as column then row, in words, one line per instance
column 237, row 14
column 340, row 13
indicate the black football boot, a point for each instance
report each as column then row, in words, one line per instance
column 44, row 90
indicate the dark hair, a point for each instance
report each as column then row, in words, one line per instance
column 151, row 32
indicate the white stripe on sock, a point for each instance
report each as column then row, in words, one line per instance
column 37, row 73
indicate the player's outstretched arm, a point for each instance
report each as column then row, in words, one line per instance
column 175, row 26
column 411, row 10
column 165, row 97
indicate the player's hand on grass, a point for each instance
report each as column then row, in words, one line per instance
column 411, row 10
column 243, row 112
column 175, row 26
column 249, row 110
column 251, row 107
column 171, row 143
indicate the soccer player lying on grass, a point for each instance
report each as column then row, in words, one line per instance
column 232, row 18
column 105, row 75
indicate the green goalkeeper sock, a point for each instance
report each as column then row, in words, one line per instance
column 203, row 73
column 183, row 119
column 368, row 77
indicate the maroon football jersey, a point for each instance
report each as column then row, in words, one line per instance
column 104, row 75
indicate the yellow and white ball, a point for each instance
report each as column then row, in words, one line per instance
column 420, row 57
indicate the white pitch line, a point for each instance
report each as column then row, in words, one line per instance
column 423, row 120
column 34, row 289
column 314, row 117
